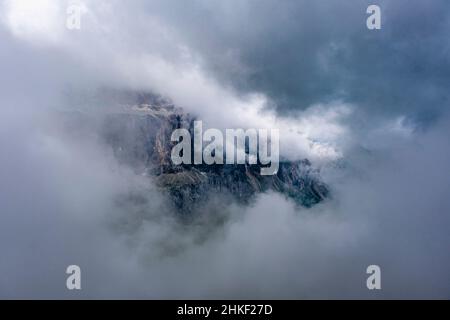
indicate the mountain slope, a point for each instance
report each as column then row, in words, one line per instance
column 140, row 137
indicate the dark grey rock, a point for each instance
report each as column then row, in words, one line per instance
column 142, row 140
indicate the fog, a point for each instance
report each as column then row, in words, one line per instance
column 369, row 110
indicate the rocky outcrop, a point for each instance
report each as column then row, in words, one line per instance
column 140, row 137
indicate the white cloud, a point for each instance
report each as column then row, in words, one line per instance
column 36, row 21
column 117, row 60
column 58, row 193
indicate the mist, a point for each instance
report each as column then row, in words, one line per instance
column 369, row 110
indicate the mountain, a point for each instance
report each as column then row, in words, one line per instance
column 139, row 135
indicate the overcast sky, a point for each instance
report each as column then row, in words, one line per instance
column 375, row 101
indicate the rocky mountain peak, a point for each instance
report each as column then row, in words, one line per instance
column 140, row 137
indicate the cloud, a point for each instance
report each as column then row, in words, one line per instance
column 394, row 215
column 120, row 60
column 369, row 108
column 34, row 21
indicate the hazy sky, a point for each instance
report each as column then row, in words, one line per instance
column 374, row 101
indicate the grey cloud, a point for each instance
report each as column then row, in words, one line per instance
column 59, row 210
column 389, row 205
column 306, row 52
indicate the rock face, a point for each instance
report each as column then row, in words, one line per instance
column 140, row 137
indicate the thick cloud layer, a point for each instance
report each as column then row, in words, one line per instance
column 368, row 107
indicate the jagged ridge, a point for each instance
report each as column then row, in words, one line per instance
column 140, row 137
